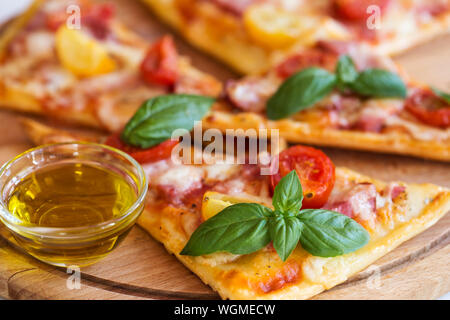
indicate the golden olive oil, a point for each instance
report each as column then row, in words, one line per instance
column 71, row 195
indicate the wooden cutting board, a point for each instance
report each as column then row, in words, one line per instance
column 141, row 269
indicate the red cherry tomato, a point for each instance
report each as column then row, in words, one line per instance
column 160, row 64
column 160, row 152
column 309, row 58
column 429, row 108
column 315, row 170
column 356, row 10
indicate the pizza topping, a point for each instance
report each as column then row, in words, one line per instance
column 300, row 91
column 394, row 190
column 419, row 131
column 194, row 81
column 251, row 93
column 274, row 27
column 214, row 202
column 82, row 55
column 95, row 17
column 356, row 10
column 315, row 169
column 181, row 179
column 307, row 87
column 374, row 113
column 153, row 154
column 359, row 202
column 159, row 117
column 160, row 63
column 378, row 83
column 309, row 58
column 98, row 18
column 290, row 272
column 244, row 228
column 430, row 108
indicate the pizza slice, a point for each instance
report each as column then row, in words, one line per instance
column 252, row 35
column 340, row 94
column 75, row 61
column 218, row 217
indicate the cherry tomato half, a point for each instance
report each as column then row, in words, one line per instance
column 160, row 63
column 160, row 152
column 429, row 108
column 315, row 170
column 356, row 10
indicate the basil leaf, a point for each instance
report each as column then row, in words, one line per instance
column 329, row 234
column 379, row 83
column 285, row 233
column 300, row 91
column 158, row 117
column 288, row 194
column 240, row 229
column 346, row 71
column 445, row 96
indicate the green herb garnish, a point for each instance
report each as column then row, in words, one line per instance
column 248, row 227
column 305, row 88
column 158, row 117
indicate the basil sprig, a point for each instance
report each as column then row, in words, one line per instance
column 300, row 91
column 248, row 227
column 305, row 88
column 158, row 117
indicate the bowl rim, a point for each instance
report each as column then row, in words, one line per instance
column 74, row 232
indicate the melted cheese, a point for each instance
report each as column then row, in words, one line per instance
column 418, row 131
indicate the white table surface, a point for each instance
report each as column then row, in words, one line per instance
column 9, row 8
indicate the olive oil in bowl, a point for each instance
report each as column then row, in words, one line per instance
column 70, row 195
column 71, row 208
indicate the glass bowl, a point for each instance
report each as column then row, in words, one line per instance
column 72, row 246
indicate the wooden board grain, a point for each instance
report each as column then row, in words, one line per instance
column 141, row 268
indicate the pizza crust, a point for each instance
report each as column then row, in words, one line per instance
column 112, row 108
column 234, row 47
column 302, row 132
column 317, row 274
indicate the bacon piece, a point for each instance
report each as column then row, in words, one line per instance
column 358, row 202
column 396, row 191
column 369, row 124
column 96, row 18
column 361, row 55
column 393, row 190
column 335, row 46
column 251, row 93
column 373, row 115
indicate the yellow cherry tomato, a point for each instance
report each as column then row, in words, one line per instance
column 274, row 27
column 214, row 202
column 81, row 54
